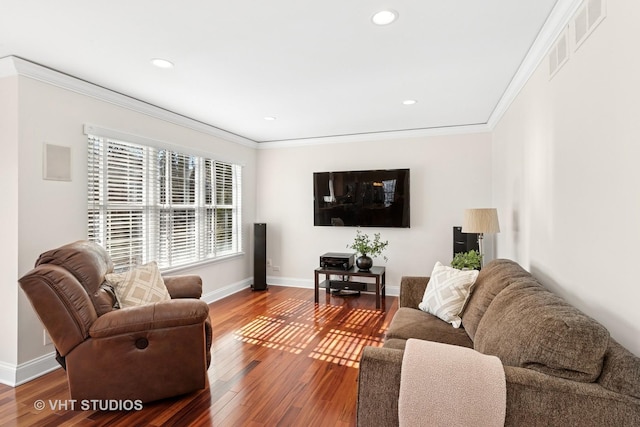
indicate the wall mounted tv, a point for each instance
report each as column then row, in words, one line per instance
column 369, row 198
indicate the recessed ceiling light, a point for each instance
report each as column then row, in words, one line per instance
column 409, row 101
column 269, row 118
column 162, row 63
column 385, row 17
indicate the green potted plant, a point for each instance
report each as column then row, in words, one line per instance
column 367, row 248
column 471, row 260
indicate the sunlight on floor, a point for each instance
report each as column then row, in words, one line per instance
column 277, row 334
column 343, row 348
column 293, row 325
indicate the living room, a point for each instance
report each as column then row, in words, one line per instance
column 556, row 158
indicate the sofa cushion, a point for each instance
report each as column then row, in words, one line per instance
column 411, row 323
column 493, row 278
column 447, row 293
column 621, row 370
column 527, row 326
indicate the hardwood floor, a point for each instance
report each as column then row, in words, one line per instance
column 277, row 360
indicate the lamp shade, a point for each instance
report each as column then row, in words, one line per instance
column 480, row 221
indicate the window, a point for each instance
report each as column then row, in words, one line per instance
column 149, row 204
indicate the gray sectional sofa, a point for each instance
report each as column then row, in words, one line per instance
column 561, row 367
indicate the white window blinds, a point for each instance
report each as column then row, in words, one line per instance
column 149, row 204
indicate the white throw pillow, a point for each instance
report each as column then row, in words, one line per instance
column 139, row 286
column 447, row 293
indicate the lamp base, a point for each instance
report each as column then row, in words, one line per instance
column 481, row 248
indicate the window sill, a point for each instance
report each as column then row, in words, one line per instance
column 172, row 270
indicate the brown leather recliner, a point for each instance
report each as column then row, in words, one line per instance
column 145, row 353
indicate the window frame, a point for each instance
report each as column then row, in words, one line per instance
column 173, row 224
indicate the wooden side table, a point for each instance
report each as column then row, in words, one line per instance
column 378, row 273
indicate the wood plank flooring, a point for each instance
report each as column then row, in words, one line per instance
column 278, row 359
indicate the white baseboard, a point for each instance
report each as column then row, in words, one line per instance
column 291, row 282
column 231, row 289
column 14, row 375
column 393, row 291
column 8, row 374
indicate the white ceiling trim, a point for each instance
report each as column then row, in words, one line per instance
column 557, row 22
column 65, row 81
column 13, row 65
column 377, row 136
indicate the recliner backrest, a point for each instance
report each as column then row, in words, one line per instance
column 62, row 304
column 88, row 262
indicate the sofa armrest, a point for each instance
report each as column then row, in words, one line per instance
column 412, row 290
column 534, row 398
column 165, row 314
column 185, row 286
column 379, row 387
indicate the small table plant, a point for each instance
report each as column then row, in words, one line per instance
column 367, row 248
column 471, row 260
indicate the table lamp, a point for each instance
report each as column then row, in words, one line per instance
column 481, row 221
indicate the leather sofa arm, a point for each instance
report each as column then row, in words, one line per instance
column 164, row 314
column 185, row 286
column 412, row 290
column 379, row 387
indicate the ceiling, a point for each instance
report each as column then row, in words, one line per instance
column 319, row 68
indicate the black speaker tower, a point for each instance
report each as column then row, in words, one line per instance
column 259, row 257
column 464, row 242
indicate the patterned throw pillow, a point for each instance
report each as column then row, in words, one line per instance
column 447, row 293
column 139, row 286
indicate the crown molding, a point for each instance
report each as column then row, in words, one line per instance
column 557, row 21
column 377, row 136
column 15, row 65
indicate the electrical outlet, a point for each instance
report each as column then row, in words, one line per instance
column 46, row 339
column 276, row 268
column 269, row 262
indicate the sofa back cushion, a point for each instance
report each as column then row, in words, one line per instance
column 529, row 327
column 493, row 278
column 621, row 370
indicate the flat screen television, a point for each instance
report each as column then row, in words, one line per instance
column 368, row 198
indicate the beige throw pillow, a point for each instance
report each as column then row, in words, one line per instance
column 447, row 293
column 139, row 286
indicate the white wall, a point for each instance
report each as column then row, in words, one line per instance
column 448, row 174
column 53, row 213
column 8, row 221
column 566, row 175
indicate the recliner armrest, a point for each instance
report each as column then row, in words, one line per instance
column 164, row 314
column 185, row 286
